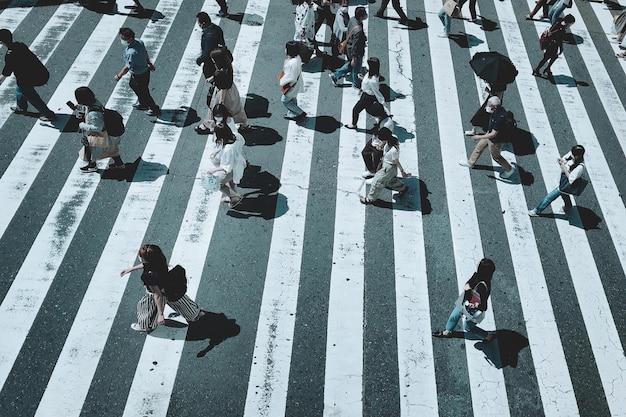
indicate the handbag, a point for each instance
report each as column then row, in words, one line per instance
column 97, row 139
column 451, row 8
column 286, row 88
column 575, row 189
column 473, row 314
column 343, row 46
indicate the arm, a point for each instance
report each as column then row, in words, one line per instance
column 488, row 135
column 129, row 270
column 120, row 74
column 160, row 302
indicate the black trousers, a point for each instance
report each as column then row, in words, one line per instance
column 371, row 156
column 140, row 84
column 365, row 101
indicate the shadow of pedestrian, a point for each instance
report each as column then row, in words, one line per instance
column 332, row 63
column 192, row 117
column 138, row 171
column 521, row 142
column 261, row 136
column 583, row 218
column 256, row 106
column 250, row 19
column 503, row 350
column 213, row 326
column 173, row 117
column 525, row 178
column 488, row 25
column 143, row 13
column 265, row 201
column 412, row 200
column 389, row 94
column 322, row 124
column 464, row 40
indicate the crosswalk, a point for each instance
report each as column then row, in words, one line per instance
column 334, row 301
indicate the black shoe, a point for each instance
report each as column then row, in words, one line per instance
column 153, row 112
column 547, row 73
column 116, row 165
column 90, row 167
column 536, row 73
column 17, row 110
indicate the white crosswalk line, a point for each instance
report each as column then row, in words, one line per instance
column 488, row 389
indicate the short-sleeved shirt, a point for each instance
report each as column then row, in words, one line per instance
column 496, row 122
column 483, row 290
column 153, row 276
column 136, row 57
column 390, row 155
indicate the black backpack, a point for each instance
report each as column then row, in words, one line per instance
column 508, row 127
column 176, row 283
column 114, row 123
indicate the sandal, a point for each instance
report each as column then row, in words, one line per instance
column 440, row 333
column 620, row 55
column 364, row 200
column 234, row 204
column 243, row 128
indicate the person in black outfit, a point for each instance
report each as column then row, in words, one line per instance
column 29, row 73
column 404, row 20
column 472, row 302
column 553, row 45
column 212, row 37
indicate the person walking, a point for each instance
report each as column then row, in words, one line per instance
column 212, row 37
column 372, row 153
column 151, row 307
column 370, row 91
column 555, row 11
column 472, row 303
column 404, row 20
column 355, row 50
column 139, row 65
column 492, row 139
column 472, row 8
column 387, row 175
column 231, row 161
column 340, row 27
column 541, row 4
column 553, row 45
column 481, row 117
column 305, row 23
column 291, row 83
column 446, row 21
column 572, row 166
column 29, row 73
column 223, row 12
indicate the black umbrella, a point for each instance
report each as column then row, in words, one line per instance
column 493, row 67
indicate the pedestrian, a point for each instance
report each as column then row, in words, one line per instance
column 291, row 83
column 493, row 139
column 481, row 117
column 225, row 92
column 139, row 65
column 472, row 303
column 555, row 11
column 472, row 8
column 324, row 12
column 387, row 175
column 305, row 23
column 553, row 44
column 212, row 37
column 445, row 15
column 29, row 73
column 539, row 5
column 372, row 153
column 370, row 91
column 572, row 166
column 151, row 306
column 223, row 12
column 340, row 27
column 355, row 50
column 232, row 163
column 404, row 20
column 90, row 112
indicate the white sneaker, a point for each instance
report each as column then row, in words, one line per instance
column 138, row 328
column 533, row 213
column 507, row 174
column 443, row 34
column 369, row 181
column 464, row 163
column 470, row 132
column 367, row 174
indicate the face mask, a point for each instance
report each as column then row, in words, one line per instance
column 489, row 109
column 219, row 119
column 124, row 43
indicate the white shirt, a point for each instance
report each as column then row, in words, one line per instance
column 371, row 86
column 391, row 154
column 575, row 173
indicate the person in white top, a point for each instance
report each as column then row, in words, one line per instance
column 370, row 91
column 291, row 82
column 371, row 154
column 572, row 166
column 387, row 175
column 231, row 163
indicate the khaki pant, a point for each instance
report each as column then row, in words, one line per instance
column 494, row 148
column 386, row 177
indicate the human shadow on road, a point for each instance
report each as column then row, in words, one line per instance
column 504, row 349
column 256, row 106
column 322, row 124
column 216, row 327
column 412, row 200
column 261, row 136
column 137, row 171
column 264, row 200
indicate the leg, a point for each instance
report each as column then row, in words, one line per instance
column 383, row 7
column 398, row 9
column 226, row 186
column 540, row 64
column 478, row 150
column 291, row 103
column 567, row 200
column 454, row 318
column 341, row 72
column 147, row 312
column 22, row 102
column 364, row 102
column 473, row 328
column 495, row 149
column 28, row 92
column 223, row 6
column 472, row 7
column 356, row 70
column 549, row 198
column 140, row 85
column 381, row 180
column 186, row 307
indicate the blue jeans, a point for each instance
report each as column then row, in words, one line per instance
column 469, row 326
column 354, row 72
column 446, row 20
column 555, row 11
column 25, row 94
column 291, row 103
column 553, row 195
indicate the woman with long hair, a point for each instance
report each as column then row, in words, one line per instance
column 370, row 91
column 572, row 166
column 151, row 306
column 472, row 303
column 387, row 175
column 232, row 163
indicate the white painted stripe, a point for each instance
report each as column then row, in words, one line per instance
column 68, row 385
column 31, row 284
column 596, row 313
column 605, row 18
column 546, row 348
column 488, row 389
column 416, row 368
column 14, row 13
column 25, row 166
column 269, row 373
column 343, row 385
column 43, row 46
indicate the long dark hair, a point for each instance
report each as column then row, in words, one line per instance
column 224, row 135
column 578, row 154
column 220, row 109
column 153, row 255
column 485, row 269
column 386, row 135
column 373, row 67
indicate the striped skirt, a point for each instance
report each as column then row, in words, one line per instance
column 147, row 311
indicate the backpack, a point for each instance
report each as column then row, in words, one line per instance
column 543, row 39
column 114, row 123
column 176, row 283
column 509, row 124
